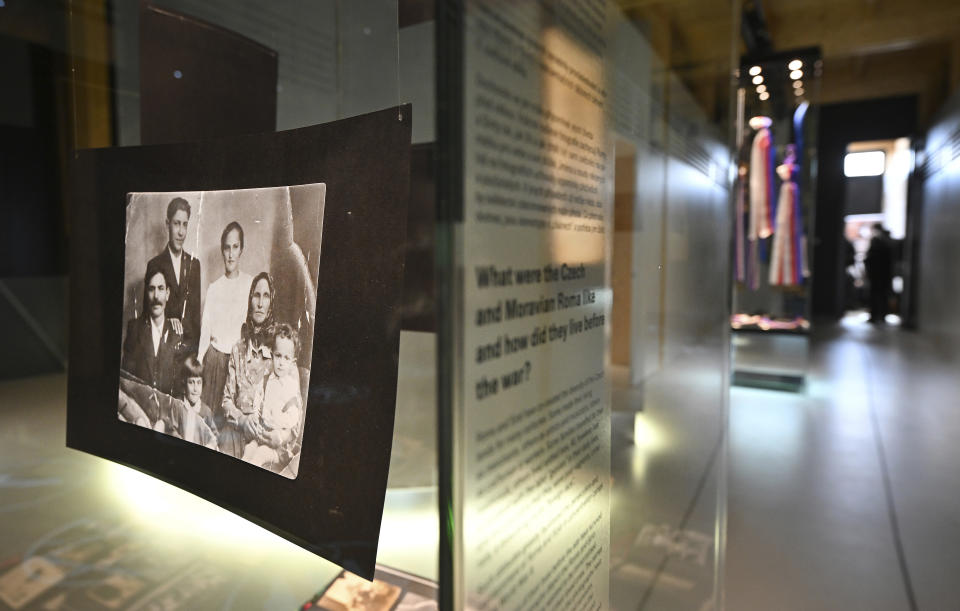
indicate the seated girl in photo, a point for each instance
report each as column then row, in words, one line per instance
column 195, row 422
column 184, row 416
column 188, row 417
column 279, row 402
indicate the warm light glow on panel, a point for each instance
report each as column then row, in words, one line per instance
column 757, row 80
column 761, row 88
column 796, row 74
column 755, row 71
column 646, row 434
column 795, row 64
column 797, row 84
column 563, row 101
column 764, row 96
column 868, row 163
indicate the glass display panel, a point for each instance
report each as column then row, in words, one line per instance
column 295, row 65
column 661, row 276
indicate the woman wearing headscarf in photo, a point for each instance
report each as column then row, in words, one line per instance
column 249, row 361
column 224, row 312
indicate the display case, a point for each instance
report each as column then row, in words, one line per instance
column 583, row 298
column 254, row 113
column 775, row 204
column 499, row 241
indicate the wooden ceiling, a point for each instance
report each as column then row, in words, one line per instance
column 871, row 48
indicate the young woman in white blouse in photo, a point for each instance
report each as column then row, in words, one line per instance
column 224, row 312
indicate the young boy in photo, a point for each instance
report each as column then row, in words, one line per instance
column 279, row 401
column 191, row 419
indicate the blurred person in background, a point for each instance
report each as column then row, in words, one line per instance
column 879, row 265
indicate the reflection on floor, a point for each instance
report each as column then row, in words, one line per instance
column 848, row 496
column 665, row 463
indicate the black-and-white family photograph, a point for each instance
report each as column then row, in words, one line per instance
column 219, row 308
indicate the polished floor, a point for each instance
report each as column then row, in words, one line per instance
column 847, row 495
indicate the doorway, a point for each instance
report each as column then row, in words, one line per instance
column 876, row 175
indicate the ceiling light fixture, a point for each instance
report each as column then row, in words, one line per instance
column 755, row 71
column 757, row 80
column 796, row 74
column 795, row 64
column 761, row 88
column 764, row 96
column 797, row 84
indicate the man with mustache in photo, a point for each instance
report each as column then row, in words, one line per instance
column 151, row 349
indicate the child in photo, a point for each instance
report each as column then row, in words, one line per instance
column 279, row 402
column 191, row 419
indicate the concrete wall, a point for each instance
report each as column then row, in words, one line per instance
column 939, row 239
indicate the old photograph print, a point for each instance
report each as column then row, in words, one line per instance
column 219, row 307
column 209, row 324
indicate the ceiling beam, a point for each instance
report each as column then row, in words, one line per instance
column 871, row 48
column 922, row 71
column 845, row 28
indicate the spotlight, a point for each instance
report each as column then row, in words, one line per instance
column 755, row 71
column 764, row 96
column 757, row 80
column 795, row 64
column 796, row 74
column 761, row 88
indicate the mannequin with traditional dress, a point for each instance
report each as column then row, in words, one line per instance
column 786, row 235
column 760, row 201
